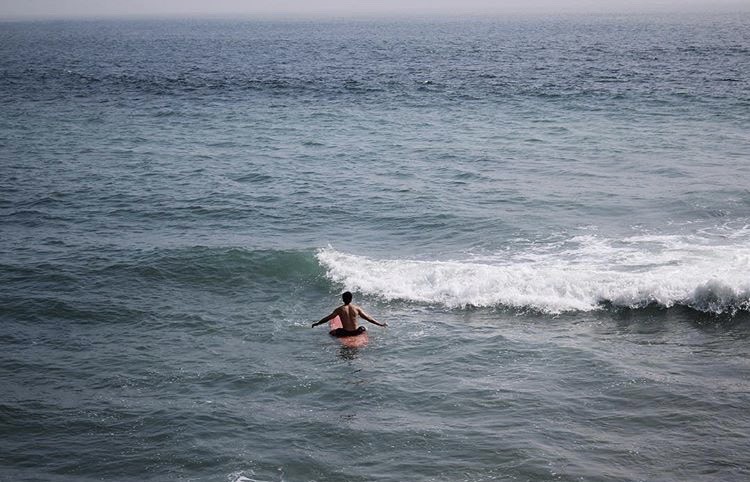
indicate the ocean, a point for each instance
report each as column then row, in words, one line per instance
column 551, row 213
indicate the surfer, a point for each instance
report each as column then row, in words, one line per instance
column 348, row 313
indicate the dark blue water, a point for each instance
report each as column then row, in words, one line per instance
column 552, row 214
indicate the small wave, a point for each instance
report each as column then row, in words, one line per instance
column 242, row 477
column 189, row 82
column 580, row 274
column 255, row 178
column 57, row 307
column 219, row 267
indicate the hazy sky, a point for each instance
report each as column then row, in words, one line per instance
column 11, row 9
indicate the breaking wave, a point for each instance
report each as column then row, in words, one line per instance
column 580, row 274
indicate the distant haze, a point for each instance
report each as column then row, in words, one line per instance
column 18, row 9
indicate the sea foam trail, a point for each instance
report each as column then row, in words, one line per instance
column 580, row 274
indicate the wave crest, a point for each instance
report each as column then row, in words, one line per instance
column 581, row 274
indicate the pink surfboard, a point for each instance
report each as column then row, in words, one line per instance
column 349, row 341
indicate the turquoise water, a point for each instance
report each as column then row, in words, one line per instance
column 551, row 213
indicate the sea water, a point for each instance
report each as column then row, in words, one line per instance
column 552, row 214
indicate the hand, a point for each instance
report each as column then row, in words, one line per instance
column 384, row 324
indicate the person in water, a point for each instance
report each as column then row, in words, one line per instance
column 348, row 313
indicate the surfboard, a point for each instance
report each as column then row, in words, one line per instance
column 348, row 341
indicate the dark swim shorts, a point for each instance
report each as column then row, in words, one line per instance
column 340, row 332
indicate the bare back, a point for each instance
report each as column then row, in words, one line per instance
column 348, row 315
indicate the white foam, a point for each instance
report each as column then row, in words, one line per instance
column 582, row 273
column 241, row 477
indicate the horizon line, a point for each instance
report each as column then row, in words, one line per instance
column 738, row 8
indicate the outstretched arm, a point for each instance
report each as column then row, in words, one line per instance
column 327, row 318
column 370, row 319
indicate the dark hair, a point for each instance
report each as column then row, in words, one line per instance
column 347, row 297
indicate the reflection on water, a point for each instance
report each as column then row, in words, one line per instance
column 349, row 352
